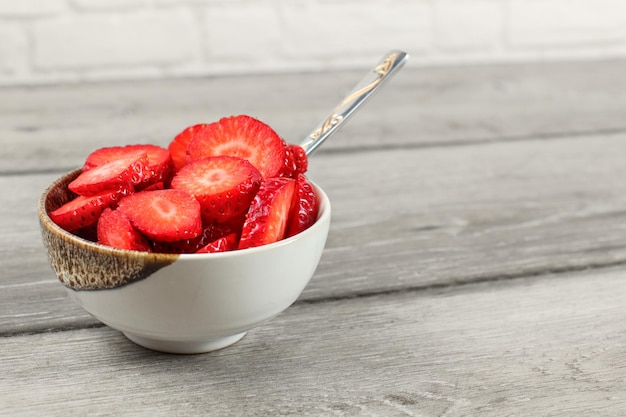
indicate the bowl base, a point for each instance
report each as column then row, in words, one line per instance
column 184, row 346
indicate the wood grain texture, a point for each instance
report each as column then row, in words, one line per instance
column 474, row 267
column 401, row 219
column 516, row 348
column 46, row 128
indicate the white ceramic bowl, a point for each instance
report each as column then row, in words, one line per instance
column 190, row 303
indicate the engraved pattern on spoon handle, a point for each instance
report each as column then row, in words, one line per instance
column 372, row 82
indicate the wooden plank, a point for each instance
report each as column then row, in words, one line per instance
column 440, row 216
column 520, row 347
column 50, row 127
column 401, row 219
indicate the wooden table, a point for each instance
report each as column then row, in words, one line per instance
column 476, row 262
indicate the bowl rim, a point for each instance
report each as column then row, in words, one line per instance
column 46, row 222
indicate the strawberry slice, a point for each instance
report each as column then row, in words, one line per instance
column 163, row 215
column 210, row 233
column 89, row 232
column 178, row 145
column 159, row 167
column 111, row 176
column 266, row 221
column 304, row 208
column 154, row 186
column 223, row 244
column 224, row 185
column 289, row 163
column 82, row 211
column 242, row 136
column 301, row 161
column 295, row 161
column 115, row 230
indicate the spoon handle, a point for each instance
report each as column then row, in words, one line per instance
column 374, row 80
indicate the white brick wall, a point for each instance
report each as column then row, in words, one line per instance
column 44, row 41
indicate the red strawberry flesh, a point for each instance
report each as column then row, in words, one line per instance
column 164, row 215
column 154, row 186
column 295, row 161
column 244, row 137
column 178, row 145
column 112, row 175
column 228, row 185
column 82, row 211
column 266, row 221
column 304, row 209
column 289, row 164
column 210, row 233
column 158, row 168
column 301, row 161
column 115, row 230
column 223, row 185
column 223, row 244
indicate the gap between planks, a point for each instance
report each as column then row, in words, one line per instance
column 435, row 288
column 478, row 141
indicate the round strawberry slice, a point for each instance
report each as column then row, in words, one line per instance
column 112, row 175
column 241, row 136
column 159, row 166
column 304, row 208
column 163, row 215
column 115, row 230
column 178, row 145
column 85, row 211
column 224, row 186
column 266, row 221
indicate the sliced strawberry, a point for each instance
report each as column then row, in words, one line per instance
column 295, row 161
column 209, row 234
column 112, row 175
column 223, row 244
column 224, row 185
column 289, row 164
column 154, row 186
column 241, row 136
column 266, row 221
column 301, row 161
column 88, row 232
column 178, row 145
column 116, row 230
column 159, row 167
column 81, row 212
column 103, row 155
column 235, row 224
column 304, row 208
column 164, row 215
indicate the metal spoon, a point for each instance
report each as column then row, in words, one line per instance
column 373, row 81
